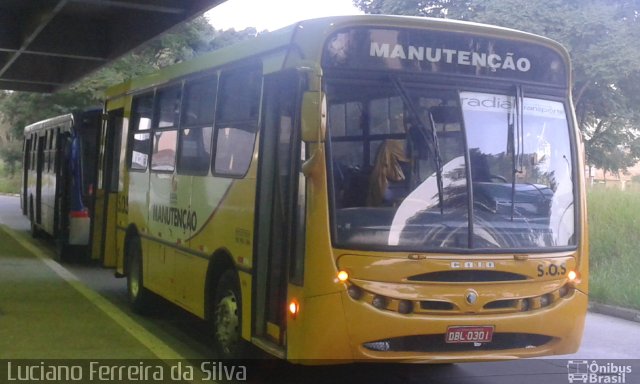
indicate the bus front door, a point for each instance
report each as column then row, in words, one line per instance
column 107, row 205
column 277, row 196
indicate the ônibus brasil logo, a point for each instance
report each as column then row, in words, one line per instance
column 584, row 371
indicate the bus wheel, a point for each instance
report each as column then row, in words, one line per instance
column 227, row 317
column 139, row 296
column 35, row 231
column 62, row 250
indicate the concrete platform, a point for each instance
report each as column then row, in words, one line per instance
column 45, row 314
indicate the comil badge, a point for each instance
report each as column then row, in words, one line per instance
column 471, row 297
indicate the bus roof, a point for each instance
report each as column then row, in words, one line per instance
column 305, row 41
column 66, row 121
column 63, row 121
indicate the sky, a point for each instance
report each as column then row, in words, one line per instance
column 274, row 14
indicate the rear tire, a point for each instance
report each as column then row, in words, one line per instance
column 63, row 250
column 139, row 296
column 35, row 231
column 226, row 313
column 67, row 253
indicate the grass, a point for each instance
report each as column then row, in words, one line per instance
column 614, row 231
column 8, row 183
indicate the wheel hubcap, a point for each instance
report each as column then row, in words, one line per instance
column 134, row 282
column 227, row 322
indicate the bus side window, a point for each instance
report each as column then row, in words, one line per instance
column 237, row 120
column 49, row 147
column 55, row 149
column 27, row 157
column 138, row 149
column 165, row 135
column 45, row 152
column 34, row 142
column 196, row 130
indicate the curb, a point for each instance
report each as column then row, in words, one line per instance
column 612, row 310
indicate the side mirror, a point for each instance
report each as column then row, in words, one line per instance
column 314, row 116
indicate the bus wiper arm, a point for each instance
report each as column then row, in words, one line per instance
column 429, row 135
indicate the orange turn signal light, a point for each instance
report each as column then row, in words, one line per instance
column 343, row 276
column 574, row 277
column 294, row 308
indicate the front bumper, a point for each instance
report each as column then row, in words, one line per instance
column 553, row 330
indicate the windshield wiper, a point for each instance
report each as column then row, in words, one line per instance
column 516, row 142
column 429, row 136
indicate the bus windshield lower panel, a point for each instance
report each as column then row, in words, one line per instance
column 418, row 169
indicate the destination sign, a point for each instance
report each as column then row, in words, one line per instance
column 444, row 52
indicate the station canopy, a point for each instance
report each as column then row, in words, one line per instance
column 46, row 45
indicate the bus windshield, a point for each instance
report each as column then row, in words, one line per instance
column 418, row 168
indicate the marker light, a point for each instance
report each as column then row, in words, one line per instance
column 574, row 277
column 294, row 308
column 343, row 276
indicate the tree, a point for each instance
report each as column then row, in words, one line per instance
column 228, row 37
column 11, row 154
column 18, row 109
column 602, row 37
column 458, row 9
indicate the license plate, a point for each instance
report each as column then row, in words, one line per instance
column 466, row 334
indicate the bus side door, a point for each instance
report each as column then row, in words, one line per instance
column 276, row 206
column 108, row 191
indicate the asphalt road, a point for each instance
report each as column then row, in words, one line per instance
column 607, row 341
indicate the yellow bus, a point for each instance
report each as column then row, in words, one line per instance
column 355, row 188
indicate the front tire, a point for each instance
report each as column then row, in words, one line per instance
column 139, row 296
column 227, row 317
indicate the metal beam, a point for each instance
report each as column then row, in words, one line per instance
column 32, row 36
column 47, row 44
column 29, row 86
column 71, row 36
column 61, row 55
column 138, row 6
